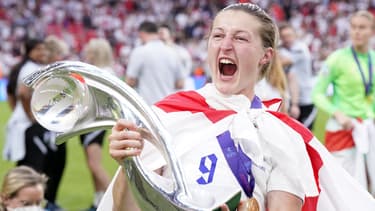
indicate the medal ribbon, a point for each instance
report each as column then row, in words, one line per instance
column 238, row 161
column 368, row 85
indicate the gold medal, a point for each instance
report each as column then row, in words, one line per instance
column 251, row 204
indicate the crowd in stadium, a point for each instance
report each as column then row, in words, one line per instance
column 155, row 46
column 322, row 25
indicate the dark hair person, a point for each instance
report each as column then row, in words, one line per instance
column 30, row 52
column 27, row 142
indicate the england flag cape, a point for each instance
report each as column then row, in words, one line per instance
column 266, row 136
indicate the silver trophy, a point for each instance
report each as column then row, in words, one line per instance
column 72, row 98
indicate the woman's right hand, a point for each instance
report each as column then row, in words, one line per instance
column 294, row 111
column 125, row 140
column 344, row 120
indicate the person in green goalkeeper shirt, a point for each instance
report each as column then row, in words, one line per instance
column 350, row 71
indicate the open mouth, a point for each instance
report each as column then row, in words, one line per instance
column 227, row 67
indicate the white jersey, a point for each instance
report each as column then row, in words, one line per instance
column 14, row 149
column 285, row 156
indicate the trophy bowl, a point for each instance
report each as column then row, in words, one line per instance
column 73, row 98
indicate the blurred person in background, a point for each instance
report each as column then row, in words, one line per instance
column 31, row 57
column 57, row 50
column 22, row 188
column 154, row 69
column 27, row 142
column 293, row 89
column 21, row 119
column 350, row 130
column 297, row 60
column 97, row 52
column 186, row 59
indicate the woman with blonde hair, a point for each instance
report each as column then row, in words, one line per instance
column 22, row 187
column 57, row 49
column 97, row 52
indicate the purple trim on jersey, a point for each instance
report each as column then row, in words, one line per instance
column 256, row 102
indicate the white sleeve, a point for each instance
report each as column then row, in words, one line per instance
column 286, row 151
column 279, row 180
column 106, row 203
column 27, row 69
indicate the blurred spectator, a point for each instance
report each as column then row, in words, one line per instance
column 22, row 188
column 21, row 119
column 31, row 53
column 321, row 25
column 350, row 129
column 57, row 50
column 154, row 69
column 97, row 52
column 296, row 58
column 184, row 55
column 27, row 142
column 293, row 88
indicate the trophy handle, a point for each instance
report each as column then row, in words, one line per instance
column 73, row 97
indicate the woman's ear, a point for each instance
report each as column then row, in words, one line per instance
column 267, row 57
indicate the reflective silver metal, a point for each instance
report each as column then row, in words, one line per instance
column 73, row 98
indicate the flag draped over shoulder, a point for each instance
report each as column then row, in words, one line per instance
column 327, row 186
